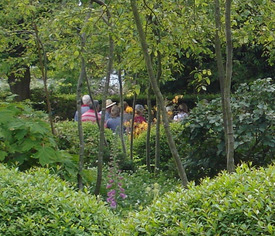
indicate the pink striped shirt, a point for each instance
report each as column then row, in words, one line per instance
column 90, row 116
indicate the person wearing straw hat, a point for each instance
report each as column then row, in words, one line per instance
column 109, row 104
column 86, row 101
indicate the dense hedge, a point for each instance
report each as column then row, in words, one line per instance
column 36, row 203
column 238, row 204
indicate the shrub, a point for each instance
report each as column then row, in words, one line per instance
column 37, row 203
column 231, row 204
column 25, row 137
column 253, row 117
column 67, row 139
column 139, row 147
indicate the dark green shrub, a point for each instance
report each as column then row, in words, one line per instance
column 25, row 137
column 37, row 203
column 63, row 105
column 253, row 118
column 231, row 204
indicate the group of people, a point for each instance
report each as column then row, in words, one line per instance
column 90, row 112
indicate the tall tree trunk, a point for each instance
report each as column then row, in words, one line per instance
column 121, row 131
column 159, row 96
column 148, row 134
column 80, row 128
column 227, row 89
column 225, row 84
column 104, row 97
column 44, row 70
column 132, row 127
column 19, row 83
column 157, row 141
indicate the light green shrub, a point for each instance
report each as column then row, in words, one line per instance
column 37, row 203
column 67, row 139
column 238, row 204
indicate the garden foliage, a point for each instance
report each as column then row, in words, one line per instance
column 238, row 204
column 200, row 137
column 253, row 122
column 25, row 137
column 37, row 203
column 68, row 139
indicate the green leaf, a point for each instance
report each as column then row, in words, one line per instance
column 3, row 155
column 45, row 155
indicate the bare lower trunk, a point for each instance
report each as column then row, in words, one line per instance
column 80, row 129
column 132, row 128
column 121, row 131
column 225, row 83
column 227, row 89
column 44, row 72
column 148, row 146
column 159, row 96
column 157, row 140
column 104, row 97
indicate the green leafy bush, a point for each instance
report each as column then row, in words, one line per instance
column 139, row 146
column 67, row 139
column 253, row 117
column 25, row 137
column 231, row 204
column 37, row 203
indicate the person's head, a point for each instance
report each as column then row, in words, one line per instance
column 139, row 109
column 95, row 105
column 86, row 100
column 125, row 105
column 183, row 108
column 115, row 111
column 109, row 104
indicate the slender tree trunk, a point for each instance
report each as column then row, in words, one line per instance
column 148, row 134
column 81, row 79
column 121, row 131
column 157, row 141
column 159, row 96
column 80, row 128
column 104, row 97
column 227, row 89
column 224, row 85
column 132, row 128
column 157, row 145
column 43, row 68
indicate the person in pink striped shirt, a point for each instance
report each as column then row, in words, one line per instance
column 90, row 115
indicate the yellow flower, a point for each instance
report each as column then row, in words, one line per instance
column 129, row 109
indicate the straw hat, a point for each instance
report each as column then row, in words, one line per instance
column 109, row 103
